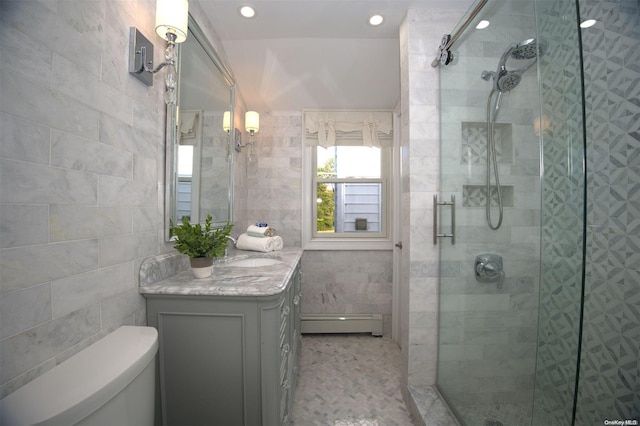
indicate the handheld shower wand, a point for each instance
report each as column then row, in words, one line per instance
column 504, row 80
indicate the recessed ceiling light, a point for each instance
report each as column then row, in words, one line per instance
column 482, row 25
column 376, row 20
column 247, row 11
column 588, row 23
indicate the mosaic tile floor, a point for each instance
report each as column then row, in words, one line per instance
column 349, row 380
column 489, row 415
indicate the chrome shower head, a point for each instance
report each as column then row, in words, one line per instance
column 508, row 80
column 528, row 49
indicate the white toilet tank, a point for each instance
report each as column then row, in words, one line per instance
column 112, row 382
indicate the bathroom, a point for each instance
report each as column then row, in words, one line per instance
column 82, row 156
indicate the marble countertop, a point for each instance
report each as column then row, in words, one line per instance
column 228, row 280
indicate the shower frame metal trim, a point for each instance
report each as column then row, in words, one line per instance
column 444, row 56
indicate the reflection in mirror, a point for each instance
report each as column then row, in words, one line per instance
column 198, row 142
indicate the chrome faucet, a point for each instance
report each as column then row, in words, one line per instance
column 226, row 253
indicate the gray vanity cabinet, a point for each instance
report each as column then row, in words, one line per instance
column 227, row 360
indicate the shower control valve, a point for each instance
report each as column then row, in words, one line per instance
column 488, row 269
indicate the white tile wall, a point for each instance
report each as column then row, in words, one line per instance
column 350, row 282
column 81, row 155
column 274, row 180
column 419, row 37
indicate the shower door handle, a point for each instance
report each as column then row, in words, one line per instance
column 436, row 234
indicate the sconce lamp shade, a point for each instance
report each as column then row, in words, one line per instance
column 251, row 121
column 226, row 121
column 172, row 16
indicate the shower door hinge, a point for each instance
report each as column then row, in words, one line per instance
column 436, row 234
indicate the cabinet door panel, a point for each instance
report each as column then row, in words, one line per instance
column 204, row 385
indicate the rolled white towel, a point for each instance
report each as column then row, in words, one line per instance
column 247, row 242
column 260, row 231
column 278, row 243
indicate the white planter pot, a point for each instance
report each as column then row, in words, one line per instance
column 202, row 266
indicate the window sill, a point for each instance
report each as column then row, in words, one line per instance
column 348, row 244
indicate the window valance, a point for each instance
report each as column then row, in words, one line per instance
column 366, row 128
column 189, row 123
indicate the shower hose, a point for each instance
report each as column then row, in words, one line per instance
column 491, row 158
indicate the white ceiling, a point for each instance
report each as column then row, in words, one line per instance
column 313, row 53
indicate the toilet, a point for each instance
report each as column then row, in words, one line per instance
column 111, row 382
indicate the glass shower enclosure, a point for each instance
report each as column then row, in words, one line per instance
column 512, row 154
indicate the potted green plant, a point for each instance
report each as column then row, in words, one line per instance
column 200, row 243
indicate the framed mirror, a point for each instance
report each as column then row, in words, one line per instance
column 199, row 145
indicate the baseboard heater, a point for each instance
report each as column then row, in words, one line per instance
column 341, row 323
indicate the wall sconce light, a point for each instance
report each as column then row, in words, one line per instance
column 226, row 121
column 172, row 20
column 252, row 122
column 251, row 125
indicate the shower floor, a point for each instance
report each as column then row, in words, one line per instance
column 433, row 410
column 507, row 414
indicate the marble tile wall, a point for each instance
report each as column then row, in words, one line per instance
column 274, row 179
column 81, row 154
column 214, row 175
column 350, row 282
column 420, row 35
column 82, row 165
column 341, row 281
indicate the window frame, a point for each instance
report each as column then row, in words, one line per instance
column 312, row 240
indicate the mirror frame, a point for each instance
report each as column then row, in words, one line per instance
column 171, row 133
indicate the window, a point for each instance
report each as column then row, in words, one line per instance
column 347, row 180
column 185, row 178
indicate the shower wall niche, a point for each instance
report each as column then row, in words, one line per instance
column 474, row 152
column 474, row 142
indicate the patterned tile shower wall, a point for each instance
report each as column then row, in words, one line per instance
column 609, row 365
column 562, row 216
column 609, row 385
column 474, row 142
column 487, row 333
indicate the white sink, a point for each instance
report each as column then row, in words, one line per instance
column 254, row 262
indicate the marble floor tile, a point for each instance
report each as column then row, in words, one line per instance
column 496, row 415
column 349, row 380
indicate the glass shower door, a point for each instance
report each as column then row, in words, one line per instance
column 490, row 277
column 505, row 258
column 563, row 214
